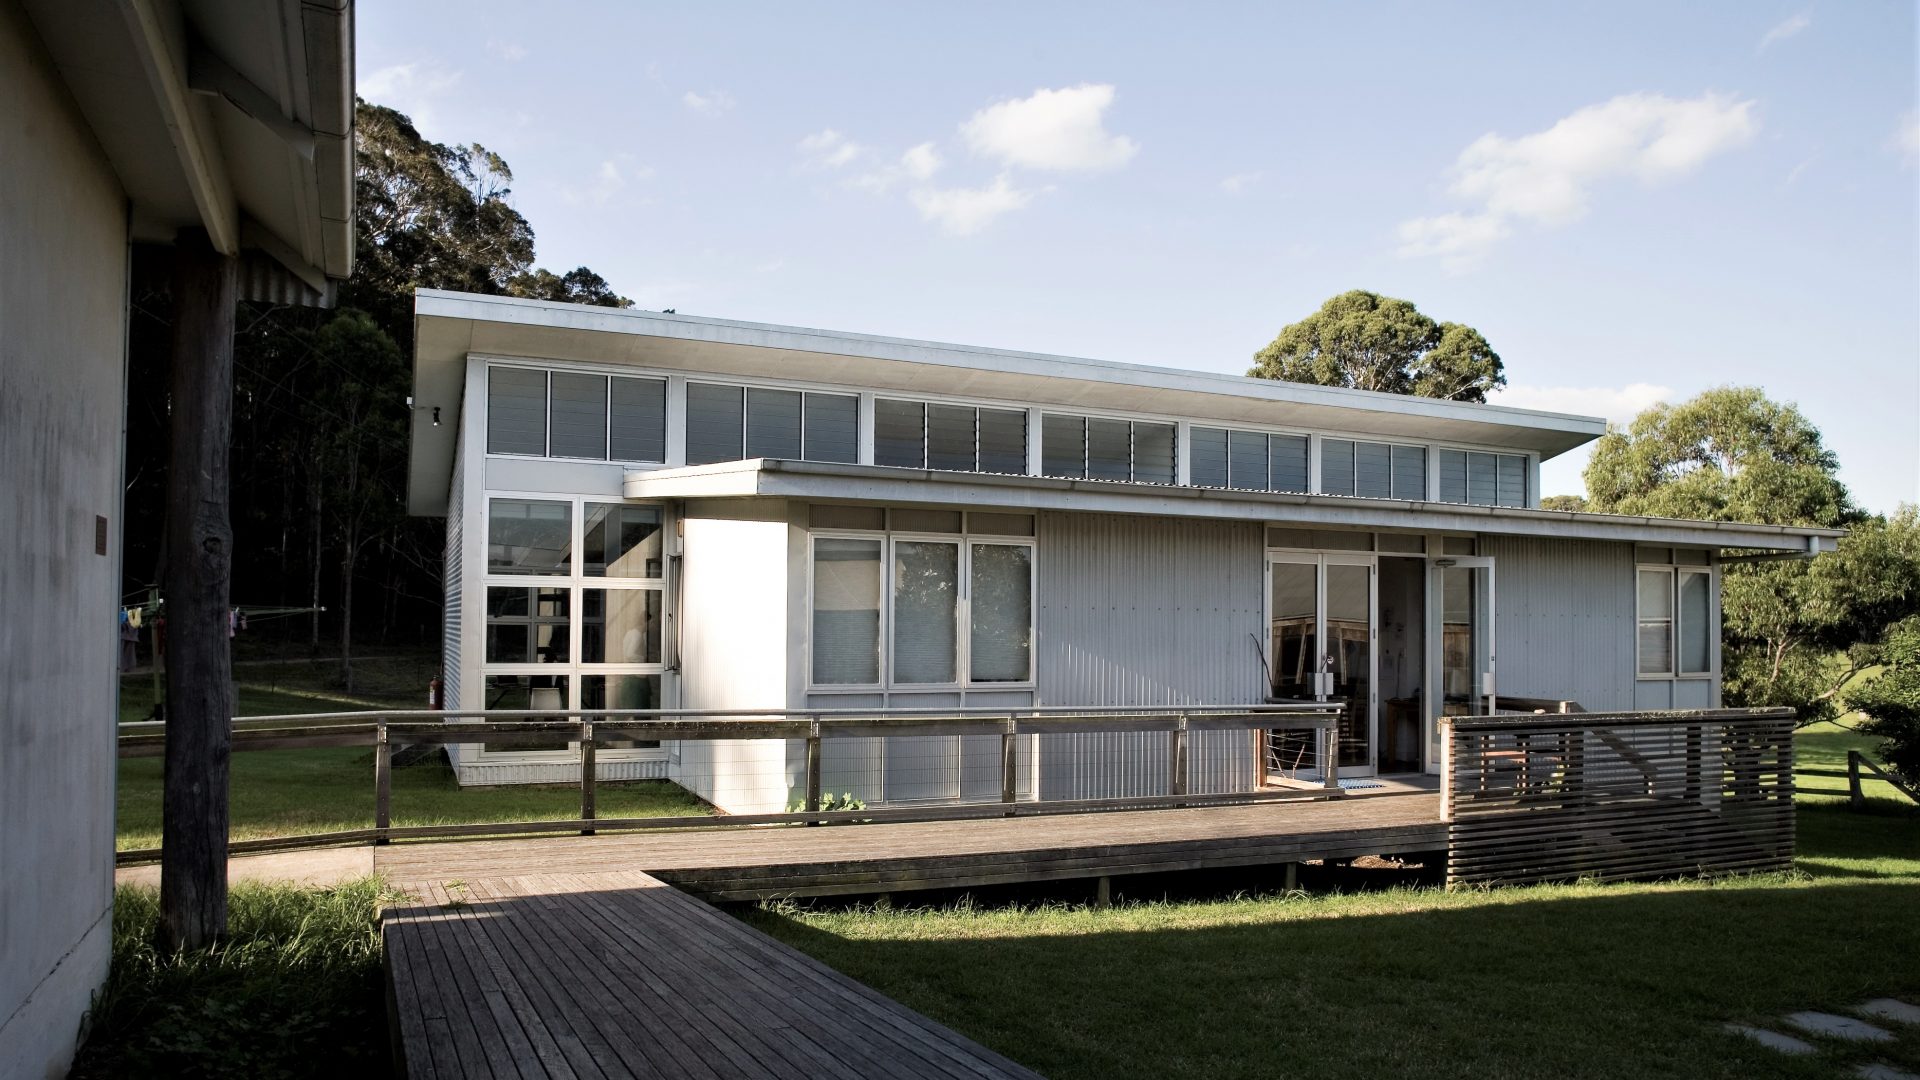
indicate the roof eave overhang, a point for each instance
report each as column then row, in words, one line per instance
column 819, row 482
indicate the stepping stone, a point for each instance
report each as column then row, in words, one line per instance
column 1878, row 1071
column 1838, row 1027
column 1890, row 1009
column 1772, row 1040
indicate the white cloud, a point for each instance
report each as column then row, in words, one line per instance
column 1905, row 139
column 413, row 89
column 1547, row 178
column 1239, row 182
column 1784, row 29
column 1619, row 404
column 965, row 211
column 510, row 51
column 917, row 165
column 711, row 103
column 1052, row 129
column 609, row 179
column 828, row 149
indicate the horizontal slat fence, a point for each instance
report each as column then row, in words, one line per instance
column 585, row 730
column 1617, row 796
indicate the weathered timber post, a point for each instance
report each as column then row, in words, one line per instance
column 199, row 689
column 1856, row 795
column 588, row 767
column 1009, row 779
column 813, row 768
column 1177, row 755
column 382, row 780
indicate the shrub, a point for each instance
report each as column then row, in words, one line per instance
column 293, row 991
column 1891, row 700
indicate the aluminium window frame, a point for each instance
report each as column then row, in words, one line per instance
column 963, row 611
column 1428, row 482
column 1674, row 572
column 746, row 388
column 1182, row 442
column 546, row 409
column 1529, row 473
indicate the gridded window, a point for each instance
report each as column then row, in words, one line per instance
column 1675, row 622
column 1248, row 460
column 528, row 625
column 575, row 415
column 529, row 536
column 621, row 540
column 620, row 626
column 956, row 438
column 1102, row 448
column 1483, row 479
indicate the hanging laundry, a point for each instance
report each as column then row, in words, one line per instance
column 134, row 616
column 129, row 643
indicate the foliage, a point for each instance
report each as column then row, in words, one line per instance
column 1564, row 502
column 1367, row 341
column 294, row 990
column 830, row 801
column 1795, row 631
column 1891, row 700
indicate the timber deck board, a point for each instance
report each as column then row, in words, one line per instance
column 550, row 976
column 749, row 863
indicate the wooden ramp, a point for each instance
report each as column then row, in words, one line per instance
column 751, row 863
column 615, row 974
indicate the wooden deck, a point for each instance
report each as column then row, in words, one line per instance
column 765, row 863
column 616, row 975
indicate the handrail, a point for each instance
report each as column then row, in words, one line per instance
column 586, row 728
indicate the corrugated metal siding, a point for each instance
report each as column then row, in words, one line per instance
column 555, row 772
column 1147, row 611
column 1563, row 621
column 452, row 578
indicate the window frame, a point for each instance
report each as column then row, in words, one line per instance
column 547, row 372
column 1430, row 452
column 1313, row 439
column 746, row 392
column 926, row 405
column 1529, row 475
column 576, row 583
column 1674, row 573
column 963, row 610
column 1133, row 421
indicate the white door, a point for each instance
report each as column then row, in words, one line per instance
column 1464, row 665
column 1322, row 627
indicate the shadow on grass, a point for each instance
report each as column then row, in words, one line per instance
column 1588, row 981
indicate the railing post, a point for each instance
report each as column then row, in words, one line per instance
column 813, row 767
column 588, row 768
column 1856, row 796
column 1177, row 783
column 382, row 781
column 1330, row 756
column 1008, row 762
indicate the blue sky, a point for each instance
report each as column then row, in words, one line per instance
column 1633, row 202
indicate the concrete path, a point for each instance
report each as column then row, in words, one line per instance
column 313, row 867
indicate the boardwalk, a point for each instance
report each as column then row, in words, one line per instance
column 761, row 863
column 617, row 975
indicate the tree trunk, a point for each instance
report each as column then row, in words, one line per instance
column 313, row 526
column 349, row 554
column 193, row 860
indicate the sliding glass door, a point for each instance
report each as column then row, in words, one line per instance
column 1463, row 600
column 1321, row 619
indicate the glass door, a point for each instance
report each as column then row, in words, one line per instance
column 1321, row 630
column 1465, row 664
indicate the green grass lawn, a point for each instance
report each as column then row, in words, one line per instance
column 288, row 792
column 1824, row 746
column 1584, row 980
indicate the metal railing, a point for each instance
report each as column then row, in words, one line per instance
column 587, row 730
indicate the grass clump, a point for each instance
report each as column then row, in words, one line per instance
column 294, row 990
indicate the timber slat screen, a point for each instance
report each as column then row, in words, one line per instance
column 1617, row 796
column 584, row 730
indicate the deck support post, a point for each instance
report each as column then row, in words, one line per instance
column 1008, row 763
column 813, row 768
column 1177, row 758
column 588, row 768
column 1293, row 876
column 382, row 781
column 1103, row 892
column 1330, row 757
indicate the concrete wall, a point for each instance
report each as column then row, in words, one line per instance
column 63, row 271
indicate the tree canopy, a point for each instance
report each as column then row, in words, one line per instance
column 1366, row 341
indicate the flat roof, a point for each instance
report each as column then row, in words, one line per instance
column 452, row 326
column 823, row 482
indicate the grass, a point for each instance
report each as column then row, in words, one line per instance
column 291, row 792
column 294, row 991
column 1591, row 980
column 268, row 685
column 1824, row 746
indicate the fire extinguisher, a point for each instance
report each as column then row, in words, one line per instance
column 436, row 694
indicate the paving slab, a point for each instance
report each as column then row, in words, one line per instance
column 1772, row 1040
column 1838, row 1027
column 1877, row 1071
column 1890, row 1009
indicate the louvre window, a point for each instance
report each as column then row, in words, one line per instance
column 1372, row 470
column 1209, row 465
column 1409, row 473
column 728, row 423
column 956, row 438
column 637, row 420
column 1484, row 479
column 1101, row 448
column 516, row 411
column 1248, row 460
